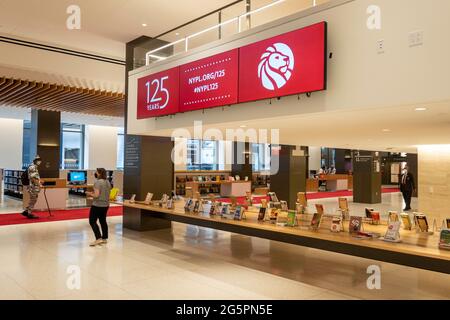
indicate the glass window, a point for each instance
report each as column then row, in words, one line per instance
column 261, row 157
column 72, row 146
column 26, row 157
column 202, row 155
column 120, row 148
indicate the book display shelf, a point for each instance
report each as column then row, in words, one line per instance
column 13, row 185
column 205, row 181
column 260, row 180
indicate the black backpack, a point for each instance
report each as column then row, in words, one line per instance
column 24, row 178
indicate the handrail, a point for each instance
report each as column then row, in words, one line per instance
column 150, row 54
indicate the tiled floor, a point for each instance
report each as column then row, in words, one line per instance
column 9, row 205
column 189, row 262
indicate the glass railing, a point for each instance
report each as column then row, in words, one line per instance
column 239, row 17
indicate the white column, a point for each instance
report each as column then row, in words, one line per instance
column 100, row 147
column 11, row 143
column 314, row 160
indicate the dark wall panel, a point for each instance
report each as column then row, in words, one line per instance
column 46, row 140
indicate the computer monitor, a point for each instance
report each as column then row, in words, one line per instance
column 77, row 177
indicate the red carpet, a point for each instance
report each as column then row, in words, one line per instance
column 58, row 215
column 345, row 193
column 311, row 196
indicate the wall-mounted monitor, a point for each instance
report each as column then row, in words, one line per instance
column 77, row 177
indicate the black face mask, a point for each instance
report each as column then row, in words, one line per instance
column 96, row 175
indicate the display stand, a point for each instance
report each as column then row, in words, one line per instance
column 393, row 232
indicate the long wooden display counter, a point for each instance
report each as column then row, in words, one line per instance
column 415, row 250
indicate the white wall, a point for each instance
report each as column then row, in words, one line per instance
column 358, row 77
column 11, row 142
column 315, row 157
column 100, row 147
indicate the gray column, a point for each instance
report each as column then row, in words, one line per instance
column 292, row 173
column 242, row 160
column 46, row 140
column 366, row 177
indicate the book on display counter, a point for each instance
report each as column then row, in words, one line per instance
column 164, row 198
column 212, row 209
column 407, row 224
column 375, row 217
column 196, row 206
column 273, row 197
column 238, row 213
column 225, row 213
column 282, row 218
column 393, row 216
column 368, row 212
column 421, row 222
column 355, row 225
column 291, row 218
column 300, row 208
column 320, row 209
column 188, row 204
column 218, row 208
column 284, row 205
column 169, row 204
column 148, row 198
column 393, row 232
column 336, row 224
column 262, row 213
column 273, row 215
column 444, row 239
column 315, row 221
column 206, row 208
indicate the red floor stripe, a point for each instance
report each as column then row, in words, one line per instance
column 58, row 215
column 311, row 196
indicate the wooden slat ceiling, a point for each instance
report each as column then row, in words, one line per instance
column 39, row 95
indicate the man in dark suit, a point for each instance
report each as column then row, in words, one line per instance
column 407, row 187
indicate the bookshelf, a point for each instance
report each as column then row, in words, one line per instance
column 12, row 183
column 260, row 180
column 181, row 177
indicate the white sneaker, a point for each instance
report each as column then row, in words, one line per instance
column 104, row 241
column 95, row 243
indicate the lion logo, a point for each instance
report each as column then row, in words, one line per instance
column 276, row 66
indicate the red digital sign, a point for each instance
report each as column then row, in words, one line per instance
column 287, row 64
column 158, row 94
column 209, row 82
column 291, row 63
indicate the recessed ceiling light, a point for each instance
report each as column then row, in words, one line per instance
column 386, row 130
column 144, row 24
column 421, row 109
column 243, row 126
column 177, row 33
